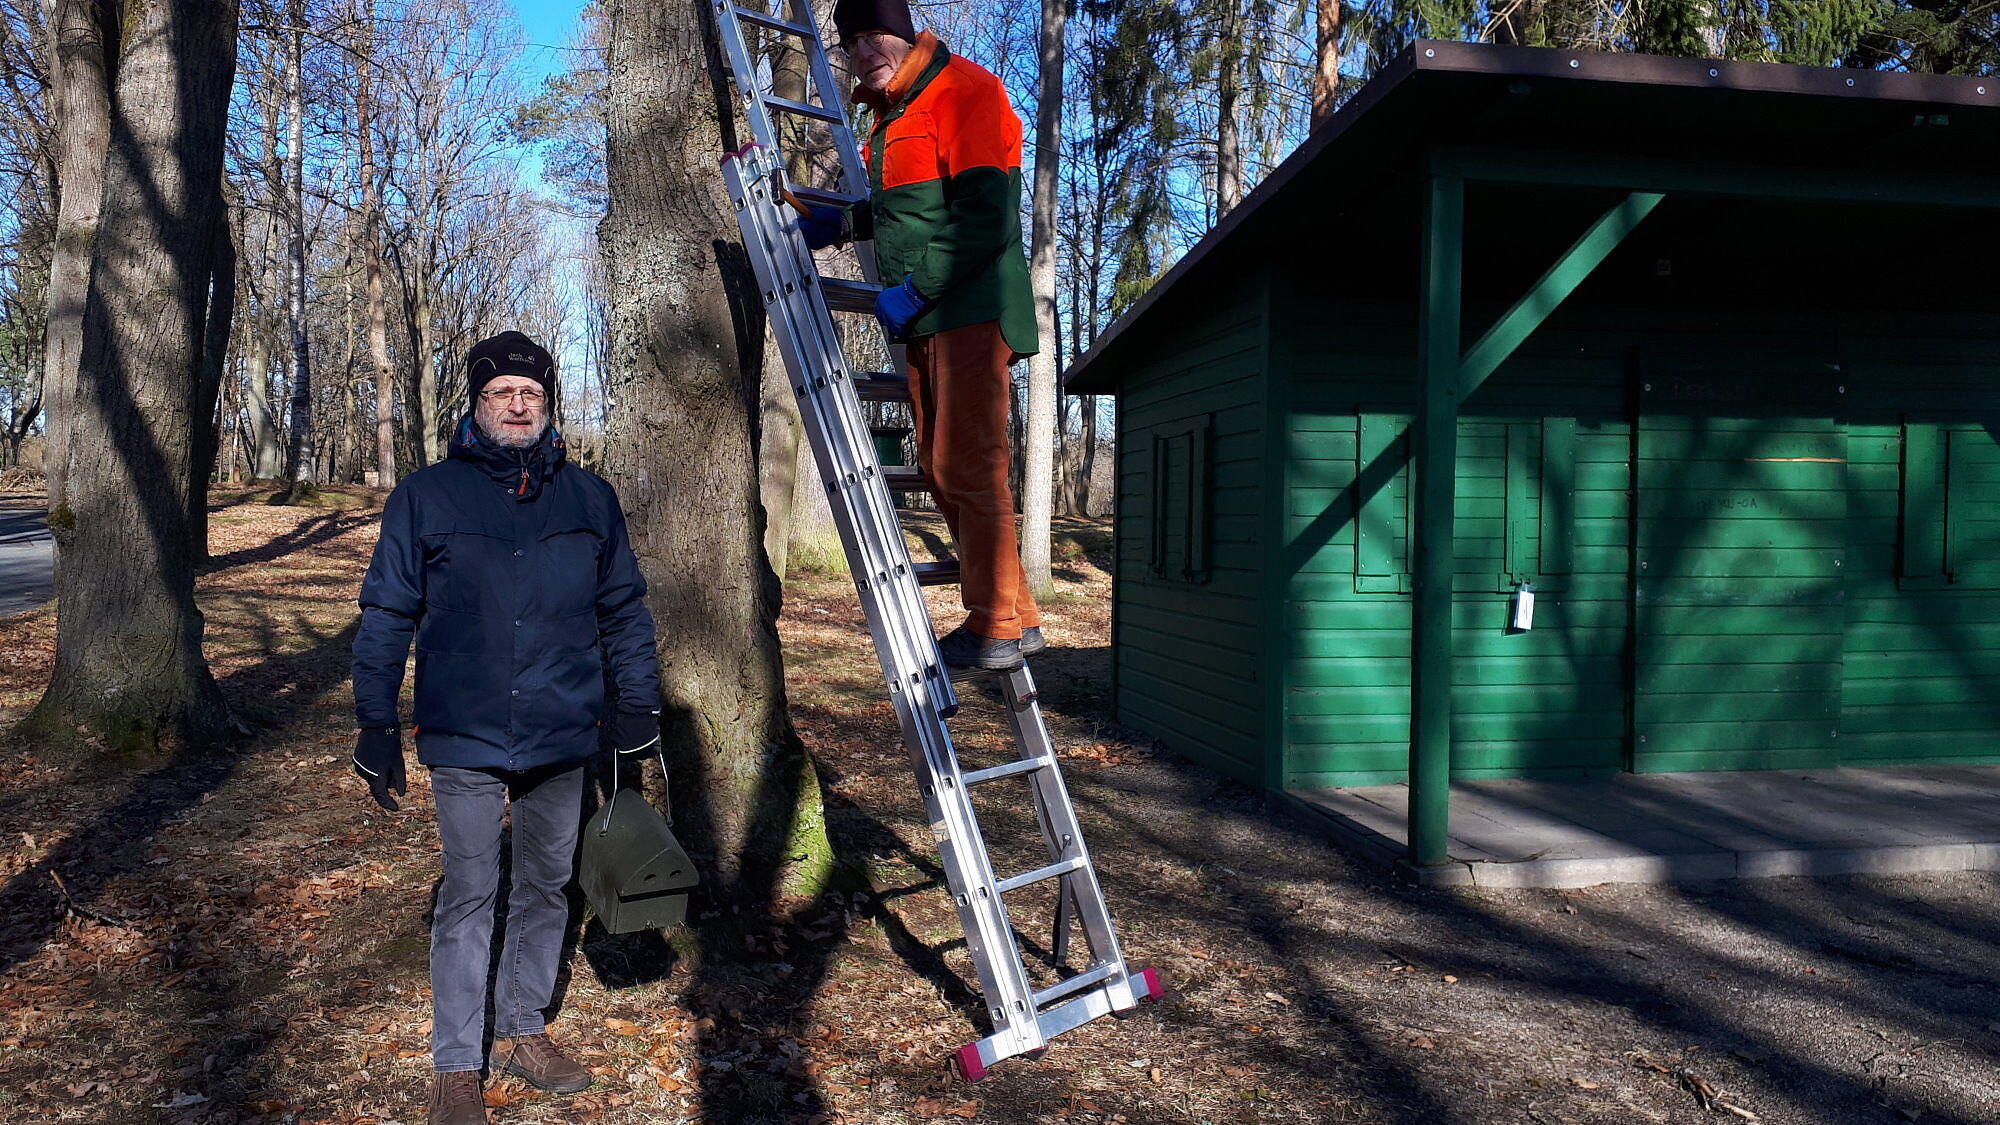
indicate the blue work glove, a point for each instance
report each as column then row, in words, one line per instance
column 898, row 308
column 823, row 227
column 378, row 759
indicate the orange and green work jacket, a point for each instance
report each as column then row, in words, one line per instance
column 944, row 203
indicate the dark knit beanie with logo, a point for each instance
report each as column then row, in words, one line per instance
column 852, row 17
column 509, row 353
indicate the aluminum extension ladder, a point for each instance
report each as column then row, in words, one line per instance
column 800, row 303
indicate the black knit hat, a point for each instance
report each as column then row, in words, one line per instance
column 852, row 17
column 509, row 353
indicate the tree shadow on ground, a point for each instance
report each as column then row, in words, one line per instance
column 219, row 996
column 113, row 842
column 1475, row 935
column 309, row 533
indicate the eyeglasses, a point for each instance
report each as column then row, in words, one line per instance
column 871, row 41
column 497, row 398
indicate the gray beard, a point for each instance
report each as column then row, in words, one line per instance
column 511, row 441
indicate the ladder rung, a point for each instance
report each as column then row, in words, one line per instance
column 766, row 19
column 1077, row 983
column 843, row 295
column 822, row 195
column 995, row 773
column 1063, row 867
column 943, row 573
column 904, row 478
column 806, row 109
column 880, row 386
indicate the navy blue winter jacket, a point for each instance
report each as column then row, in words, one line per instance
column 513, row 572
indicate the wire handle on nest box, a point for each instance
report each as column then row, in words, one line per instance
column 665, row 781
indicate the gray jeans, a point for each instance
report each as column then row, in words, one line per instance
column 548, row 803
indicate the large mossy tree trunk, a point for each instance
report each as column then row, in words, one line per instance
column 685, row 370
column 129, row 672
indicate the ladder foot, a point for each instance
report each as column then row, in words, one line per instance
column 969, row 1066
column 1151, row 978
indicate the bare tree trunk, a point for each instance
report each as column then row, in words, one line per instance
column 812, row 519
column 371, row 238
column 778, row 441
column 686, row 333
column 378, row 341
column 129, row 671
column 428, row 424
column 1326, row 75
column 219, row 315
column 298, row 445
column 83, row 76
column 1514, row 23
column 343, row 459
column 778, row 449
column 1038, row 475
column 1089, row 452
column 263, row 424
column 1228, row 89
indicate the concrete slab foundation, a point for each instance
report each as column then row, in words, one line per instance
column 1658, row 828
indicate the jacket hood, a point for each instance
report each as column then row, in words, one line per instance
column 522, row 472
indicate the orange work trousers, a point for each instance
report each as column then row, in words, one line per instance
column 960, row 393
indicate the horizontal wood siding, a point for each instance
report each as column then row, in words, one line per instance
column 1190, row 554
column 1850, row 616
column 1922, row 640
column 1547, row 701
column 1742, row 509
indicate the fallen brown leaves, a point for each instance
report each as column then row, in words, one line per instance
column 248, row 944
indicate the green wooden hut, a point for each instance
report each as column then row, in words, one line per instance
column 1704, row 356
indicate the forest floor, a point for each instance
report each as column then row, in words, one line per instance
column 241, row 938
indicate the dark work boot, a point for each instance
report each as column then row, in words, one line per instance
column 536, row 1059
column 456, row 1100
column 1031, row 641
column 966, row 651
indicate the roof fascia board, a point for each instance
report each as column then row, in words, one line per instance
column 1707, row 74
column 1582, row 66
column 1558, row 168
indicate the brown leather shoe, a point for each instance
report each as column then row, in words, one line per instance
column 456, row 1100
column 536, row 1059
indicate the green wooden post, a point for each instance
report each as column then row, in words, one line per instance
column 1434, row 462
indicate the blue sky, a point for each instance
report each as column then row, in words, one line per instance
column 548, row 24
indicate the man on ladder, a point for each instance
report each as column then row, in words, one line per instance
column 944, row 211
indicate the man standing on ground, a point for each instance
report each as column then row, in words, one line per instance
column 944, row 211
column 512, row 571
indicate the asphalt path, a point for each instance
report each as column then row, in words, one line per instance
column 27, row 560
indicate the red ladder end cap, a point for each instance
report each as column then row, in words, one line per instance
column 969, row 1066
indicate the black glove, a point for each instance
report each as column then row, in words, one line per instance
column 636, row 733
column 636, row 737
column 378, row 759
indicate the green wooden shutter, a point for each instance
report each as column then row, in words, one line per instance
column 1972, row 509
column 1558, row 507
column 1382, row 459
column 1921, row 501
